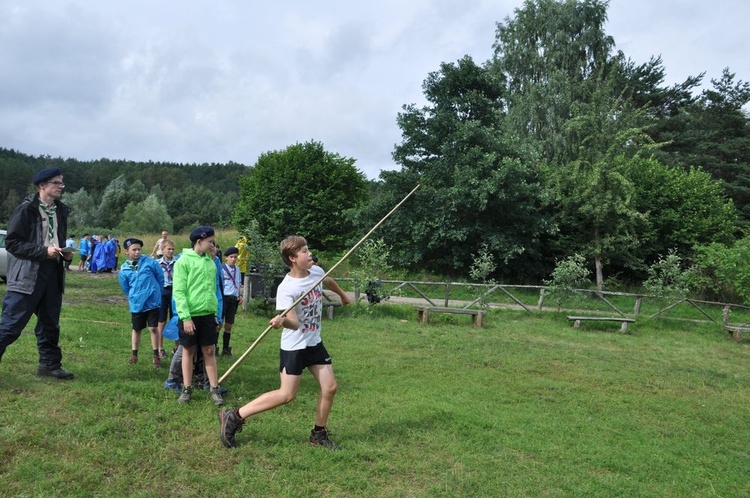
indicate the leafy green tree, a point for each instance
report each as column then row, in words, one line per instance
column 482, row 267
column 147, row 216
column 713, row 132
column 372, row 266
column 667, row 278
column 116, row 197
column 476, row 188
column 726, row 268
column 83, row 208
column 569, row 274
column 302, row 189
column 683, row 208
column 550, row 54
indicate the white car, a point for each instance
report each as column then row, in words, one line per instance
column 3, row 257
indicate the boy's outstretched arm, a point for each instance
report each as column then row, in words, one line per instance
column 331, row 285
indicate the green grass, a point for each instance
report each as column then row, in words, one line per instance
column 525, row 406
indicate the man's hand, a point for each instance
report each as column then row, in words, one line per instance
column 189, row 327
column 54, row 252
column 277, row 322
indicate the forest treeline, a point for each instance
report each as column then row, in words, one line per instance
column 165, row 195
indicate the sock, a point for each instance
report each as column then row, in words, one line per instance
column 135, row 352
column 225, row 339
column 156, row 352
column 318, row 428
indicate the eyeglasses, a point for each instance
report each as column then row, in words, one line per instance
column 60, row 184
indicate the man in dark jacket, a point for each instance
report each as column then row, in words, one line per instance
column 36, row 278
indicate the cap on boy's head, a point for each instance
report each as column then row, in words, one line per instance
column 200, row 233
column 46, row 175
column 130, row 242
column 230, row 251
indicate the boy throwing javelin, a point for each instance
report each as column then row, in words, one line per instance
column 301, row 345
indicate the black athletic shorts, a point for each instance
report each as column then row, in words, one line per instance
column 298, row 360
column 145, row 319
column 166, row 304
column 231, row 303
column 205, row 334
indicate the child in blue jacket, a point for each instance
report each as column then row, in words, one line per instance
column 142, row 280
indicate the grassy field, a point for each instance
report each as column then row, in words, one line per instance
column 525, row 406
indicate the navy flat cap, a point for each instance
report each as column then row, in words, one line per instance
column 46, row 175
column 200, row 233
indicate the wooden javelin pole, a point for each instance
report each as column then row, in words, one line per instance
column 320, row 280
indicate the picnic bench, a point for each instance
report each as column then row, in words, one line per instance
column 623, row 321
column 328, row 308
column 736, row 332
column 477, row 316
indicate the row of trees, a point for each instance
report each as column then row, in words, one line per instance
column 561, row 145
column 129, row 196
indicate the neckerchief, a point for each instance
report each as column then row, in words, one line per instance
column 232, row 276
column 50, row 212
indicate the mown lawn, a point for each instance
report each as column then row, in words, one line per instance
column 525, row 406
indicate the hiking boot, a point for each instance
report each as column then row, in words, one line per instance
column 187, row 392
column 320, row 438
column 216, row 396
column 133, row 360
column 56, row 373
column 172, row 386
column 230, row 423
column 157, row 362
column 222, row 389
column 227, row 353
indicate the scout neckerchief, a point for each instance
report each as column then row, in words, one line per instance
column 232, row 276
column 50, row 212
column 167, row 267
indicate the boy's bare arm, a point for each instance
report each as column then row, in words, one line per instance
column 331, row 285
column 289, row 321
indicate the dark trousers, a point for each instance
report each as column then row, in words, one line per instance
column 44, row 302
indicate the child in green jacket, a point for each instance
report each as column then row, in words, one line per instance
column 194, row 294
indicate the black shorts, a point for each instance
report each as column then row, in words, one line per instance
column 166, row 304
column 298, row 360
column 145, row 319
column 206, row 333
column 84, row 257
column 231, row 303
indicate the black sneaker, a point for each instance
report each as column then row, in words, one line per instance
column 56, row 373
column 230, row 423
column 227, row 353
column 320, row 438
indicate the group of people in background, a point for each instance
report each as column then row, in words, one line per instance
column 197, row 292
column 98, row 254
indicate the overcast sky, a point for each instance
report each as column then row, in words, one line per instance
column 225, row 80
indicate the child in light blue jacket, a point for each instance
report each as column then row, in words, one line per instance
column 142, row 280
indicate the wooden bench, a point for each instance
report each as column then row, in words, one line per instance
column 477, row 316
column 736, row 332
column 623, row 327
column 328, row 307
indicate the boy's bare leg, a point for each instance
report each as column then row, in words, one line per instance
column 135, row 339
column 187, row 365
column 284, row 394
column 209, row 361
column 327, row 381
